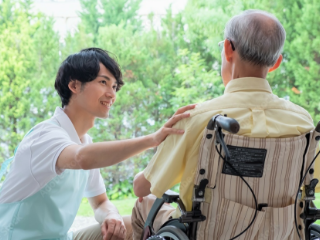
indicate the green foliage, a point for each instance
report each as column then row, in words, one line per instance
column 303, row 57
column 117, row 11
column 29, row 57
column 193, row 79
column 96, row 14
column 121, row 190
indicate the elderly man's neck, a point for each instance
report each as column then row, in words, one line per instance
column 244, row 69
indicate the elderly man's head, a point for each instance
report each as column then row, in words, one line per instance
column 253, row 44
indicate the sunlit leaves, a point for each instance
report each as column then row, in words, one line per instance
column 29, row 56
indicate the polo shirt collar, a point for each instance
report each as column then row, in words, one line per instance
column 66, row 124
column 248, row 84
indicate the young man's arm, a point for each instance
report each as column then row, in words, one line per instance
column 112, row 224
column 103, row 154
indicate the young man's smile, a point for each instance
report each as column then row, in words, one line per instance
column 106, row 104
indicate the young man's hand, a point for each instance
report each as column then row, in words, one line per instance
column 168, row 129
column 113, row 227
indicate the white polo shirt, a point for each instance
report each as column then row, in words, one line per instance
column 29, row 173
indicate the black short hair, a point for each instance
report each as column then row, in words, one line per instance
column 84, row 67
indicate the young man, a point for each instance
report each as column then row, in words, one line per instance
column 252, row 47
column 56, row 164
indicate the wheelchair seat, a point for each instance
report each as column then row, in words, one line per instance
column 247, row 188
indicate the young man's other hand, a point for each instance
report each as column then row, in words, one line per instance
column 113, row 227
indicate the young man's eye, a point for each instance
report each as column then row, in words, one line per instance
column 104, row 82
column 114, row 87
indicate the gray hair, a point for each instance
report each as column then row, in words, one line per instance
column 258, row 40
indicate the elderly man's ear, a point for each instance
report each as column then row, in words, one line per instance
column 277, row 64
column 228, row 51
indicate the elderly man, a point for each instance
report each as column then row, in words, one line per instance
column 251, row 49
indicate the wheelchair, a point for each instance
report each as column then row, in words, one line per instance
column 186, row 226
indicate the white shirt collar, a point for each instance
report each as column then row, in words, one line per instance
column 67, row 125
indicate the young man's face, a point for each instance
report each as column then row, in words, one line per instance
column 98, row 95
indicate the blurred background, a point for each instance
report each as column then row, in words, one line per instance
column 167, row 51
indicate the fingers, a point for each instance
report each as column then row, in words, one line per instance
column 169, row 131
column 119, row 232
column 175, row 119
column 123, row 232
column 103, row 230
column 180, row 114
column 185, row 108
column 113, row 229
column 110, row 230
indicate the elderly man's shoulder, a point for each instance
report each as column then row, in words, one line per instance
column 209, row 105
column 287, row 105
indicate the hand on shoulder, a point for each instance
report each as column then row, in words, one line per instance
column 167, row 129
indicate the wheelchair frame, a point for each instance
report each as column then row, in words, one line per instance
column 185, row 227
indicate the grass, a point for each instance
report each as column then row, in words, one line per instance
column 317, row 203
column 124, row 207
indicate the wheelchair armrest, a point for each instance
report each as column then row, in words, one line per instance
column 186, row 217
column 153, row 212
column 170, row 196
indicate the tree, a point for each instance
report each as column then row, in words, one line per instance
column 196, row 84
column 302, row 51
column 28, row 45
column 96, row 14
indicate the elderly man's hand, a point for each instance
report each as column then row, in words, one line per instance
column 113, row 227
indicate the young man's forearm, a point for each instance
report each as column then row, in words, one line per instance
column 104, row 154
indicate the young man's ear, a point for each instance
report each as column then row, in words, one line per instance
column 277, row 64
column 74, row 86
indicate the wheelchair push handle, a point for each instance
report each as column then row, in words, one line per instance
column 318, row 127
column 229, row 124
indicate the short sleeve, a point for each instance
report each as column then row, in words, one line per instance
column 167, row 166
column 34, row 163
column 45, row 150
column 95, row 185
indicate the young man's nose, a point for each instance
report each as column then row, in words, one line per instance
column 110, row 93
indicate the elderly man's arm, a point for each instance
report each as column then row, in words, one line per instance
column 141, row 186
